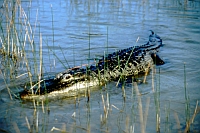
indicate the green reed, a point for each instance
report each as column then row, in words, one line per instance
column 187, row 101
column 52, row 25
column 64, row 58
column 167, row 120
column 157, row 103
column 88, row 65
column 187, row 111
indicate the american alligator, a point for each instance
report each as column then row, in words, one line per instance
column 127, row 62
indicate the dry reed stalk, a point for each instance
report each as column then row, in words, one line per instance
column 74, row 114
column 104, row 107
column 43, row 106
column 157, row 122
column 16, row 127
column 64, row 127
column 37, row 115
column 195, row 112
column 192, row 119
column 123, row 91
column 21, row 75
column 35, row 85
column 142, row 128
column 146, row 112
column 8, row 89
column 88, row 129
column 146, row 73
column 57, row 129
column 108, row 102
column 40, row 70
column 153, row 80
column 127, row 125
column 28, row 125
column 177, row 122
column 132, row 130
column 115, row 107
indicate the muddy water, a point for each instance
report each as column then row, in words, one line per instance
column 88, row 29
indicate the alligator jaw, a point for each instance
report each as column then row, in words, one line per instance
column 74, row 90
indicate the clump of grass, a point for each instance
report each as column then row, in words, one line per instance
column 188, row 120
column 17, row 44
column 188, row 124
column 106, row 108
column 122, row 77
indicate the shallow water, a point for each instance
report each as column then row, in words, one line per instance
column 88, row 29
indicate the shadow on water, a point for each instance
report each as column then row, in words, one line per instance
column 70, row 32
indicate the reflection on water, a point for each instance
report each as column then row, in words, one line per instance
column 76, row 25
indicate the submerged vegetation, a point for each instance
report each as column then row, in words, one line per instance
column 21, row 53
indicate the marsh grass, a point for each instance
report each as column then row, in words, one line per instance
column 122, row 77
column 18, row 49
column 12, row 43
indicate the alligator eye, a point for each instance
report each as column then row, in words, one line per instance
column 67, row 76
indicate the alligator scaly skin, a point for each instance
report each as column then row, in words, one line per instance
column 127, row 62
